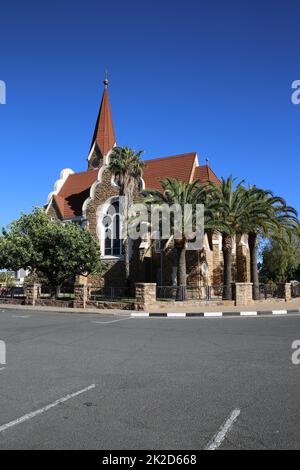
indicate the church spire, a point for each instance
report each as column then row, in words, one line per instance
column 104, row 135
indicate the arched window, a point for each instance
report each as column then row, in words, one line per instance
column 109, row 229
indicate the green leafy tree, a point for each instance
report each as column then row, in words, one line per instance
column 54, row 250
column 8, row 279
column 127, row 167
column 281, row 259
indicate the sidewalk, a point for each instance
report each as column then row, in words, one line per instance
column 256, row 306
column 267, row 305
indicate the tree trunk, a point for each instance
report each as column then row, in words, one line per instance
column 253, row 248
column 127, row 261
column 181, row 272
column 127, row 202
column 227, row 255
column 53, row 290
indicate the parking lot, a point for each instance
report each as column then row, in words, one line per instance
column 104, row 382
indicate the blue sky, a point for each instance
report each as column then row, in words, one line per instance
column 207, row 76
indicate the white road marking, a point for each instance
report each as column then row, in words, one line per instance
column 2, row 368
column 248, row 314
column 279, row 312
column 213, row 314
column 112, row 321
column 219, row 437
column 176, row 315
column 31, row 415
column 21, row 316
column 139, row 314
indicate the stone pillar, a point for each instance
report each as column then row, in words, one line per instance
column 32, row 293
column 285, row 291
column 145, row 296
column 81, row 292
column 244, row 293
column 80, row 295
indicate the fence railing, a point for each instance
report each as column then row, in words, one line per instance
column 12, row 292
column 110, row 293
column 268, row 291
column 207, row 293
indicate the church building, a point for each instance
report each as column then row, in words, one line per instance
column 84, row 197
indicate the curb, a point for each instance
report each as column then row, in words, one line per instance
column 213, row 314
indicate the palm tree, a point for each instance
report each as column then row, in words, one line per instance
column 127, row 167
column 232, row 208
column 179, row 193
column 270, row 217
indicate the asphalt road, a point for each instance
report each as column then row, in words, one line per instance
column 148, row 383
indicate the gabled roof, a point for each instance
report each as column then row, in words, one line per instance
column 104, row 134
column 177, row 166
column 204, row 173
column 75, row 191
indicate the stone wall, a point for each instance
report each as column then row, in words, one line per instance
column 52, row 212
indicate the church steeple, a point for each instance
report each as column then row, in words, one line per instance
column 104, row 135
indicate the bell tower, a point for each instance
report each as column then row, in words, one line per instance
column 104, row 135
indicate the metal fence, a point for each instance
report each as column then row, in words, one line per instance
column 269, row 291
column 16, row 292
column 111, row 293
column 62, row 293
column 207, row 293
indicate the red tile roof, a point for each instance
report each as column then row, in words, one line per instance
column 76, row 189
column 104, row 134
column 177, row 166
column 74, row 192
column 204, row 173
